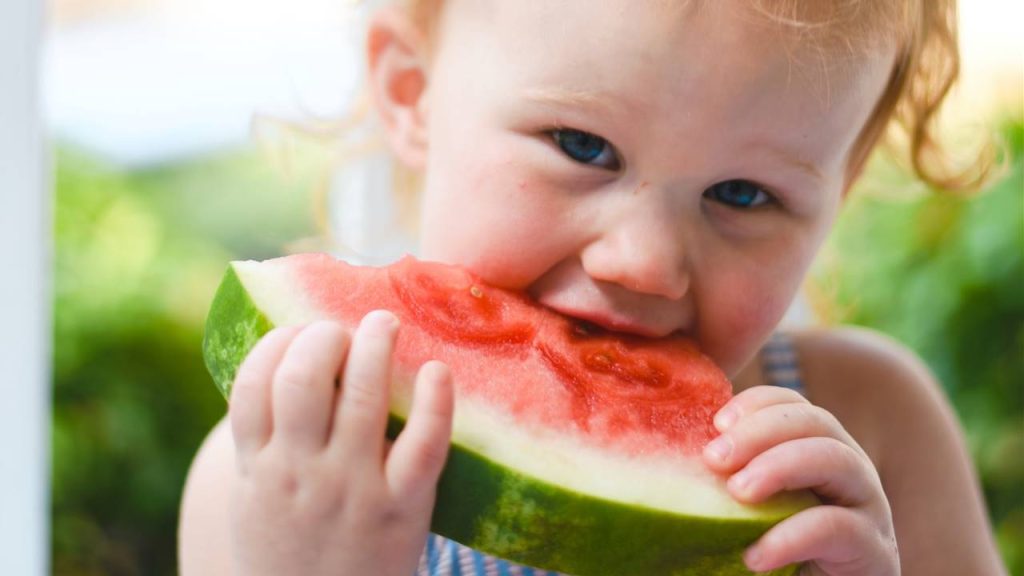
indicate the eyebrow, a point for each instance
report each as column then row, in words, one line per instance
column 786, row 156
column 608, row 102
column 576, row 97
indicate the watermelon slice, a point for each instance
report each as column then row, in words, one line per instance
column 572, row 449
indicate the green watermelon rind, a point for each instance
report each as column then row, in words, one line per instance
column 233, row 326
column 498, row 510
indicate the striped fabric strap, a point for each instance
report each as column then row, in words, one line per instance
column 444, row 557
column 780, row 363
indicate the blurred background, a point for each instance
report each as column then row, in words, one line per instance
column 160, row 179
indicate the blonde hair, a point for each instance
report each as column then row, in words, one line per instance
column 927, row 66
column 905, row 117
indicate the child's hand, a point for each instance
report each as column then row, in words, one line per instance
column 772, row 440
column 321, row 491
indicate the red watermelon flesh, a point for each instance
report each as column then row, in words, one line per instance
column 618, row 391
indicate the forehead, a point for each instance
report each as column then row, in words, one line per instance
column 823, row 35
column 832, row 26
column 744, row 66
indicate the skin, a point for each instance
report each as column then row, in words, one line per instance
column 640, row 239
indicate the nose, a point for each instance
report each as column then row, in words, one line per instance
column 645, row 254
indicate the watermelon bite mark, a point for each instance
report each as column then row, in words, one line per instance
column 624, row 392
column 451, row 304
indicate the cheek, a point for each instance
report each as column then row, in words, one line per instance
column 744, row 326
column 486, row 213
column 743, row 310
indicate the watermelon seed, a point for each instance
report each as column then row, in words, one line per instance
column 476, row 291
column 602, row 360
column 583, row 328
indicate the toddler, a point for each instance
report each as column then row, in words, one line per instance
column 653, row 167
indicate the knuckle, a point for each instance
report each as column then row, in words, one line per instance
column 243, row 409
column 328, row 331
column 790, row 396
column 807, row 415
column 272, row 478
column 279, row 332
column 779, row 543
column 749, row 399
column 838, row 454
column 841, row 522
column 304, row 492
column 340, row 332
column 827, row 418
column 292, row 375
column 430, row 456
column 388, row 515
column 361, row 394
column 846, row 460
column 243, row 390
column 276, row 338
column 804, row 413
column 250, row 371
column 322, row 500
column 767, row 394
column 286, row 484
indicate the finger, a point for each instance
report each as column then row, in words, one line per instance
column 832, row 469
column 770, row 426
column 419, row 453
column 840, row 541
column 751, row 400
column 363, row 409
column 249, row 405
column 303, row 389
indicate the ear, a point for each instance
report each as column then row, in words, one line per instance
column 397, row 74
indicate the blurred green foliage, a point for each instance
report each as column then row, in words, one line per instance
column 139, row 254
column 945, row 276
column 138, row 257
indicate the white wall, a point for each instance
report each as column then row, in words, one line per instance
column 24, row 300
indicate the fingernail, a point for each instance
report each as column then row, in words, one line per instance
column 324, row 323
column 719, row 448
column 753, row 557
column 725, row 418
column 381, row 320
column 739, row 483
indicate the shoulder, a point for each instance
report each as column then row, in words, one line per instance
column 858, row 351
column 880, row 389
column 203, row 529
column 889, row 401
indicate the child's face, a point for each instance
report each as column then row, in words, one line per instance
column 720, row 164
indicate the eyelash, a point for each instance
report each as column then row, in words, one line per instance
column 761, row 196
column 565, row 137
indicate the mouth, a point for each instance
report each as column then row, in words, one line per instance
column 570, row 292
column 600, row 321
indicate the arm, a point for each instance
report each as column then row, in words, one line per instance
column 898, row 412
column 203, row 527
column 881, row 449
column 937, row 506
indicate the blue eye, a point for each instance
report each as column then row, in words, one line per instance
column 738, row 194
column 586, row 148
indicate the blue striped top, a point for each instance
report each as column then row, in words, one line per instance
column 444, row 557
